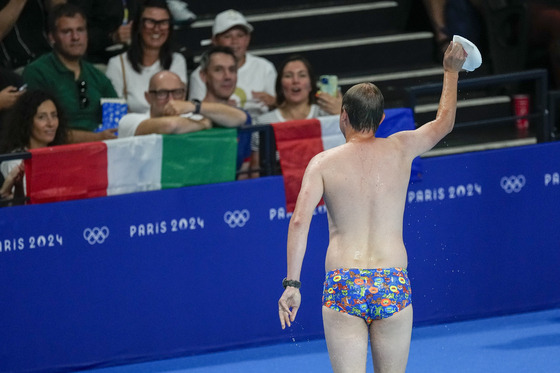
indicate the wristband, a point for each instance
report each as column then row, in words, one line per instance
column 293, row 283
column 197, row 104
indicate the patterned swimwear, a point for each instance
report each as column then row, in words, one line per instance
column 371, row 294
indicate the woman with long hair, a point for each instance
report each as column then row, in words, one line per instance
column 150, row 51
column 297, row 98
column 35, row 121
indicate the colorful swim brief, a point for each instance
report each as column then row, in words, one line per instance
column 371, row 294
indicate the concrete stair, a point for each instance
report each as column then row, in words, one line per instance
column 389, row 43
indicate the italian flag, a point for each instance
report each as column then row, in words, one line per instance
column 128, row 165
column 300, row 140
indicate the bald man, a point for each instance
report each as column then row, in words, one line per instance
column 171, row 113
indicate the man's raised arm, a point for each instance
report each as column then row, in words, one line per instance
column 427, row 136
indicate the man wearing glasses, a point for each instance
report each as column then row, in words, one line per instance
column 170, row 113
column 165, row 88
column 78, row 85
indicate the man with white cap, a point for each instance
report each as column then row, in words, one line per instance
column 256, row 76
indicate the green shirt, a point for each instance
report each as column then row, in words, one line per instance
column 48, row 73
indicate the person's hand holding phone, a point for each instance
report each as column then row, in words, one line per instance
column 9, row 96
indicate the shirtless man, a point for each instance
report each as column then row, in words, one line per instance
column 364, row 184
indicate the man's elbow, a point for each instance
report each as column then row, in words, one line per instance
column 298, row 221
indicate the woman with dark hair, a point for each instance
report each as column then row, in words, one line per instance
column 35, row 121
column 150, row 51
column 296, row 98
column 296, row 89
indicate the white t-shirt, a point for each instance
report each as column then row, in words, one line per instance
column 130, row 122
column 137, row 83
column 257, row 74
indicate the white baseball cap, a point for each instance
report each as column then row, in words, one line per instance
column 228, row 19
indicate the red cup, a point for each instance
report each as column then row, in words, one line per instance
column 521, row 107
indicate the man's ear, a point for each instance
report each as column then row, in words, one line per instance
column 344, row 116
column 51, row 39
column 382, row 118
column 148, row 97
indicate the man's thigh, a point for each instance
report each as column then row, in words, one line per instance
column 390, row 341
column 347, row 341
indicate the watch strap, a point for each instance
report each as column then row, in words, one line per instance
column 293, row 283
column 197, row 104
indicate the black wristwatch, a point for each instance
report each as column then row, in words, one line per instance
column 196, row 106
column 292, row 283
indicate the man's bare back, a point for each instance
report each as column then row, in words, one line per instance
column 364, row 183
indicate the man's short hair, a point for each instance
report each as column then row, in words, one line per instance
column 205, row 59
column 364, row 104
column 63, row 10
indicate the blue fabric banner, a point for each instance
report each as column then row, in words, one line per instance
column 184, row 271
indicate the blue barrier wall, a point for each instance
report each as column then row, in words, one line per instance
column 191, row 270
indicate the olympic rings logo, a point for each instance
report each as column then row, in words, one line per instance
column 237, row 218
column 512, row 183
column 96, row 235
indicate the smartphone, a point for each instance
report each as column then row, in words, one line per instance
column 22, row 88
column 329, row 84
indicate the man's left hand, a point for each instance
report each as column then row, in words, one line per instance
column 178, row 107
column 288, row 306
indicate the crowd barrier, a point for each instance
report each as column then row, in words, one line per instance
column 174, row 272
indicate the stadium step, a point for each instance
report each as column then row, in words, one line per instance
column 286, row 26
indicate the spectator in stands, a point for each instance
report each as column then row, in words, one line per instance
column 150, row 51
column 296, row 96
column 109, row 24
column 256, row 76
column 76, row 83
column 35, row 121
column 23, row 31
column 218, row 71
column 165, row 88
column 296, row 92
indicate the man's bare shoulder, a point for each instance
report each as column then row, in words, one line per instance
column 408, row 142
column 326, row 155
